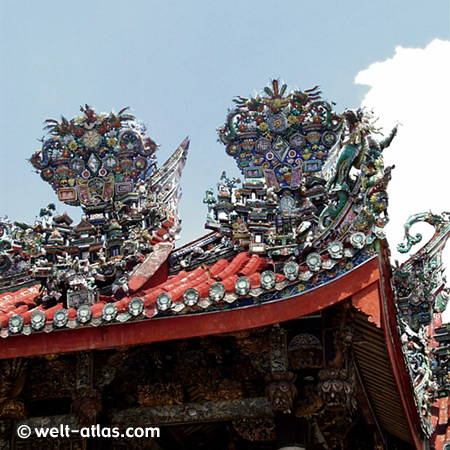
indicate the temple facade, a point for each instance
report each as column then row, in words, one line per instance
column 285, row 327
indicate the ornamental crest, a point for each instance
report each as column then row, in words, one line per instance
column 282, row 136
column 93, row 159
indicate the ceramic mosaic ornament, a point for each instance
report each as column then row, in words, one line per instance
column 307, row 169
column 281, row 135
column 106, row 164
column 298, row 246
column 95, row 158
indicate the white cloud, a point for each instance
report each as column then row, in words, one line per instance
column 413, row 89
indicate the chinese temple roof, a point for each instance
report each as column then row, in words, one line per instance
column 303, row 231
column 244, row 280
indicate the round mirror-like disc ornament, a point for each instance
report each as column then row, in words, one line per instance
column 336, row 249
column 84, row 314
column 358, row 240
column 268, row 279
column 290, row 270
column 329, row 139
column 314, row 262
column 37, row 320
column 217, row 292
column 109, row 312
column 190, row 297
column 61, row 318
column 242, row 286
column 136, row 307
column 277, row 123
column 15, row 323
column 164, row 301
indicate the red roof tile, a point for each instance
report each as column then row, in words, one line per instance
column 18, row 302
column 223, row 271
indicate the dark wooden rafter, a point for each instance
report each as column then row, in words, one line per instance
column 366, row 406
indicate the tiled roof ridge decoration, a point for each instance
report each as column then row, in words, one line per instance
column 310, row 207
column 298, row 197
column 297, row 155
column 207, row 288
column 104, row 163
column 421, row 296
column 299, row 207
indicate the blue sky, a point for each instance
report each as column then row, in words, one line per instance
column 178, row 64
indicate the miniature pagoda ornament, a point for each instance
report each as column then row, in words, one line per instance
column 307, row 170
column 106, row 164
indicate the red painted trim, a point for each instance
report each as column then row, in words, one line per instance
column 183, row 327
column 368, row 301
column 395, row 354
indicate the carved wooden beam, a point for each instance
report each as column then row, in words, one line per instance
column 257, row 407
column 87, row 401
column 278, row 350
column 193, row 413
column 85, row 370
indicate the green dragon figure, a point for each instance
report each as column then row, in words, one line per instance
column 358, row 147
column 438, row 221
